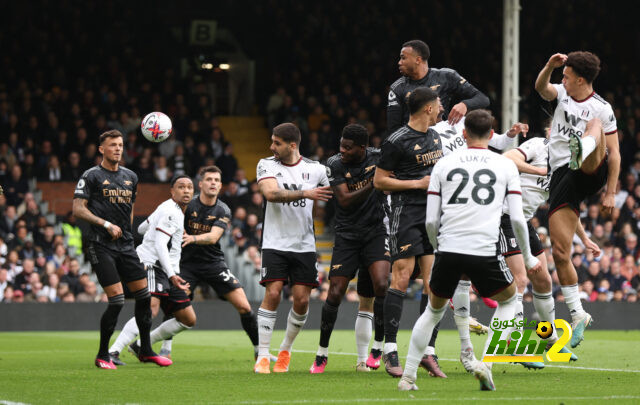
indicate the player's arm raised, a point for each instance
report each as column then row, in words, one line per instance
column 81, row 211
column 273, row 193
column 543, row 82
column 518, row 157
column 472, row 98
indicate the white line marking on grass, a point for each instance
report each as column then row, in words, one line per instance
column 3, row 402
column 368, row 400
column 621, row 370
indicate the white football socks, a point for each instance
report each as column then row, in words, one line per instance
column 295, row 322
column 420, row 337
column 546, row 309
column 363, row 334
column 129, row 332
column 461, row 304
column 167, row 330
column 572, row 298
column 505, row 311
column 266, row 322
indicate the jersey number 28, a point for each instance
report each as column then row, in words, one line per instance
column 475, row 191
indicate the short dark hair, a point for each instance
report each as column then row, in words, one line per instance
column 421, row 48
column 585, row 64
column 178, row 177
column 113, row 133
column 357, row 133
column 419, row 98
column 288, row 133
column 209, row 169
column 478, row 123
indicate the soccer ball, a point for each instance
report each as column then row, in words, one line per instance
column 156, row 127
column 544, row 329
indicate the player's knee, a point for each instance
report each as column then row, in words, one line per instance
column 272, row 296
column 189, row 321
column 380, row 288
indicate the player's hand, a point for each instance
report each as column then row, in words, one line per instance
column 187, row 239
column 592, row 247
column 180, row 283
column 457, row 112
column 319, row 193
column 423, row 183
column 608, row 202
column 533, row 265
column 114, row 231
column 557, row 60
column 517, row 128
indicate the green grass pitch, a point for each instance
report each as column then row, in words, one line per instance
column 216, row 367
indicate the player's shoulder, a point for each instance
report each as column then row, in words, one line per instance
column 222, row 206
column 313, row 165
column 310, row 161
column 537, row 141
column 335, row 161
column 373, row 152
column 268, row 161
column 398, row 134
column 92, row 172
column 444, row 72
column 599, row 100
column 398, row 83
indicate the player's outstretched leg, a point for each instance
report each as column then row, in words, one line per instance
column 337, row 288
column 420, row 336
column 142, row 313
column 128, row 334
column 107, row 326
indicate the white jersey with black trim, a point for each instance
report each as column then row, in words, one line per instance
column 452, row 137
column 571, row 116
column 472, row 184
column 288, row 226
column 168, row 218
column 535, row 189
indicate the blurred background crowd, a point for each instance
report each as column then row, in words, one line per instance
column 320, row 66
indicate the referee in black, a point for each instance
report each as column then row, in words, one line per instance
column 104, row 197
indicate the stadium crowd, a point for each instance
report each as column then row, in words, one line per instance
column 55, row 102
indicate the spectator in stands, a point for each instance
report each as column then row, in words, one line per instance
column 72, row 170
column 72, row 234
column 72, row 277
column 52, row 171
column 241, row 179
column 8, row 294
column 20, row 239
column 4, row 282
column 51, row 287
column 18, row 296
column 616, row 280
column 60, row 258
column 216, row 143
column 7, row 221
column 631, row 245
column 227, row 163
column 161, row 172
column 179, row 163
column 255, row 206
column 31, row 215
column 21, row 281
column 16, row 186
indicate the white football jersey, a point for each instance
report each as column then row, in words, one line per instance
column 168, row 218
column 535, row 189
column 472, row 184
column 289, row 226
column 452, row 137
column 572, row 116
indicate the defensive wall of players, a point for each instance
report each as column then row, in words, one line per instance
column 216, row 315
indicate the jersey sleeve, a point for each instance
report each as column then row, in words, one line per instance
column 608, row 118
column 134, row 179
column 335, row 172
column 434, row 182
column 84, row 186
column 531, row 148
column 390, row 156
column 168, row 223
column 323, row 178
column 264, row 171
column 394, row 112
column 561, row 91
column 223, row 220
column 513, row 178
column 466, row 92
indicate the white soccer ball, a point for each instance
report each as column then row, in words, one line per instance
column 156, row 127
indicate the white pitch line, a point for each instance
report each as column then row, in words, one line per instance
column 412, row 398
column 620, row 370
